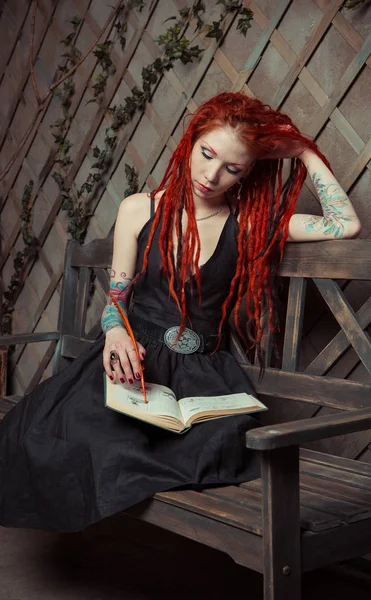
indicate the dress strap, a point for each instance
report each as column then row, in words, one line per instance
column 152, row 206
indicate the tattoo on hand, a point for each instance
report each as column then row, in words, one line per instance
column 334, row 204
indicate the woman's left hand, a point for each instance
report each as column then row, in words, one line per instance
column 286, row 146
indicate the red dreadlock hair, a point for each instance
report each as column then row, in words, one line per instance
column 265, row 203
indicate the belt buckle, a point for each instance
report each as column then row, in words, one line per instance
column 188, row 343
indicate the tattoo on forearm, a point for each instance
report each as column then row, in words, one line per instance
column 334, row 203
column 120, row 290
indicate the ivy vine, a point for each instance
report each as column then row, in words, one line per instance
column 22, row 257
column 175, row 46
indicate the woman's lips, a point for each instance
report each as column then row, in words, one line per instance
column 203, row 188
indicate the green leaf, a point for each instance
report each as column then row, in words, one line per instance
column 75, row 21
column 184, row 12
column 170, row 19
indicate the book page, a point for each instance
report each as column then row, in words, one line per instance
column 128, row 398
column 226, row 404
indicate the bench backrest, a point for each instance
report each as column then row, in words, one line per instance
column 330, row 265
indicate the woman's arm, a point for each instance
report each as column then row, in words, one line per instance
column 339, row 219
column 123, row 264
column 129, row 221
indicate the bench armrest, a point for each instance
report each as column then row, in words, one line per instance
column 28, row 338
column 295, row 433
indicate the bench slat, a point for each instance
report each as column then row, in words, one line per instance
column 215, row 508
column 336, row 490
column 345, row 259
column 333, row 489
column 340, row 462
column 337, row 508
column 244, row 547
column 330, row 473
column 344, row 314
column 322, row 391
column 310, row 518
column 97, row 253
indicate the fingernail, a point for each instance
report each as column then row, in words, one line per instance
column 111, row 378
column 137, row 375
column 130, row 381
column 122, row 380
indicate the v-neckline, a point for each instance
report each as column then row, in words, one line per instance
column 216, row 249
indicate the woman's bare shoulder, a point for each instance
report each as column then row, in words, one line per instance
column 137, row 209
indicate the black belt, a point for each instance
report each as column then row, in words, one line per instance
column 188, row 343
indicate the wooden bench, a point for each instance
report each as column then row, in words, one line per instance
column 309, row 509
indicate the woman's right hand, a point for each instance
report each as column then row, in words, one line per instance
column 127, row 368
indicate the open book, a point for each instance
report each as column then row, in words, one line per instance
column 165, row 411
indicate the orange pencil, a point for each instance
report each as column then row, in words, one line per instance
column 131, row 334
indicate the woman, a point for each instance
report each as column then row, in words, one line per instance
column 210, row 235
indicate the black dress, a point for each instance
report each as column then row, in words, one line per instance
column 67, row 461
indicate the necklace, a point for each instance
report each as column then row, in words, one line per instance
column 212, row 214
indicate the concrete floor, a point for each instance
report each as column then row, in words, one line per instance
column 122, row 559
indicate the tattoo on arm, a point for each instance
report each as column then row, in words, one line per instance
column 120, row 290
column 334, row 203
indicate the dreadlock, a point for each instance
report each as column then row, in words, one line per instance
column 265, row 207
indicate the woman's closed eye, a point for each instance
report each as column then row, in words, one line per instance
column 209, row 155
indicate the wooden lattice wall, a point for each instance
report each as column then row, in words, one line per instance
column 311, row 58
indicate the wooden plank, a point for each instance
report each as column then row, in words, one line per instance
column 346, row 318
column 97, row 253
column 344, row 259
column 306, row 53
column 281, row 523
column 327, row 510
column 216, row 509
column 338, row 345
column 331, row 473
column 294, row 324
column 316, row 490
column 82, row 301
column 335, row 545
column 245, row 548
column 338, row 490
column 312, row 518
column 321, row 391
column 291, row 433
column 341, row 87
column 341, row 463
column 28, row 338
